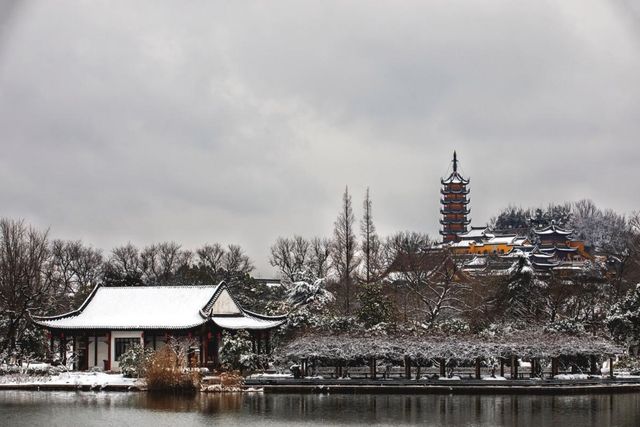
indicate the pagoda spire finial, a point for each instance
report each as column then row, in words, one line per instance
column 455, row 161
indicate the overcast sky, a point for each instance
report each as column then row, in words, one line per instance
column 238, row 122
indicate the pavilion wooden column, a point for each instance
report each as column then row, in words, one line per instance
column 63, row 349
column 443, row 372
column 478, row 368
column 514, row 367
column 85, row 354
column 554, row 367
column 267, row 342
column 259, row 342
column 502, row 367
column 95, row 349
column 51, row 342
column 74, row 342
column 205, row 348
column 108, row 367
column 216, row 349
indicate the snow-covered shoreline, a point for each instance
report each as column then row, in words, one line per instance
column 72, row 380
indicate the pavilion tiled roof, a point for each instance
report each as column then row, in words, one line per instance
column 157, row 307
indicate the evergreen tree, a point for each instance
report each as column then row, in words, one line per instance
column 370, row 244
column 624, row 319
column 375, row 306
column 343, row 256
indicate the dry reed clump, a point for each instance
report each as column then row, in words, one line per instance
column 167, row 371
column 227, row 382
column 231, row 379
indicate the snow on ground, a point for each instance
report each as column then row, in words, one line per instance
column 454, row 378
column 496, row 378
column 573, row 377
column 271, row 376
column 96, row 379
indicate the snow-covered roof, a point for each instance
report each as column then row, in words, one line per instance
column 455, row 178
column 475, row 233
column 552, row 229
column 502, row 240
column 248, row 321
column 158, row 307
column 477, row 261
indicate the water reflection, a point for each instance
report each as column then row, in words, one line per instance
column 141, row 409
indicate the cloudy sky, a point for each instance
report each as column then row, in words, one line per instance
column 238, row 122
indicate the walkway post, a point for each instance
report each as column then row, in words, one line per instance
column 554, row 367
column 407, row 367
column 611, row 367
column 478, row 368
column 532, row 372
column 374, row 367
column 593, row 362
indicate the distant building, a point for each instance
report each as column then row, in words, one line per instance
column 555, row 247
column 454, row 205
column 482, row 241
column 486, row 251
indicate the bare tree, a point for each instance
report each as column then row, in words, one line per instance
column 319, row 253
column 290, row 256
column 343, row 253
column 235, row 261
column 75, row 268
column 88, row 267
column 430, row 275
column 125, row 266
column 219, row 263
column 210, row 259
column 370, row 244
column 161, row 262
column 24, row 283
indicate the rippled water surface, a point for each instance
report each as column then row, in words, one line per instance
column 21, row 408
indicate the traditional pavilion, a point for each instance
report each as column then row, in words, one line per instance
column 112, row 319
column 454, row 203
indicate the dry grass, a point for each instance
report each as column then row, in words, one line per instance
column 167, row 371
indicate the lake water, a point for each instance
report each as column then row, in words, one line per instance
column 23, row 408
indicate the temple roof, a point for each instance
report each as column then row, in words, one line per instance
column 455, row 177
column 552, row 229
column 476, row 234
column 159, row 307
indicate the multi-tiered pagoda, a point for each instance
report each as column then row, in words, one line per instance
column 454, row 202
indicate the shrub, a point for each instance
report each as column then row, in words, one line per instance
column 236, row 352
column 566, row 326
column 134, row 361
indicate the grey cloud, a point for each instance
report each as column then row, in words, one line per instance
column 240, row 122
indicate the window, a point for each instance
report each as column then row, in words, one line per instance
column 124, row 344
